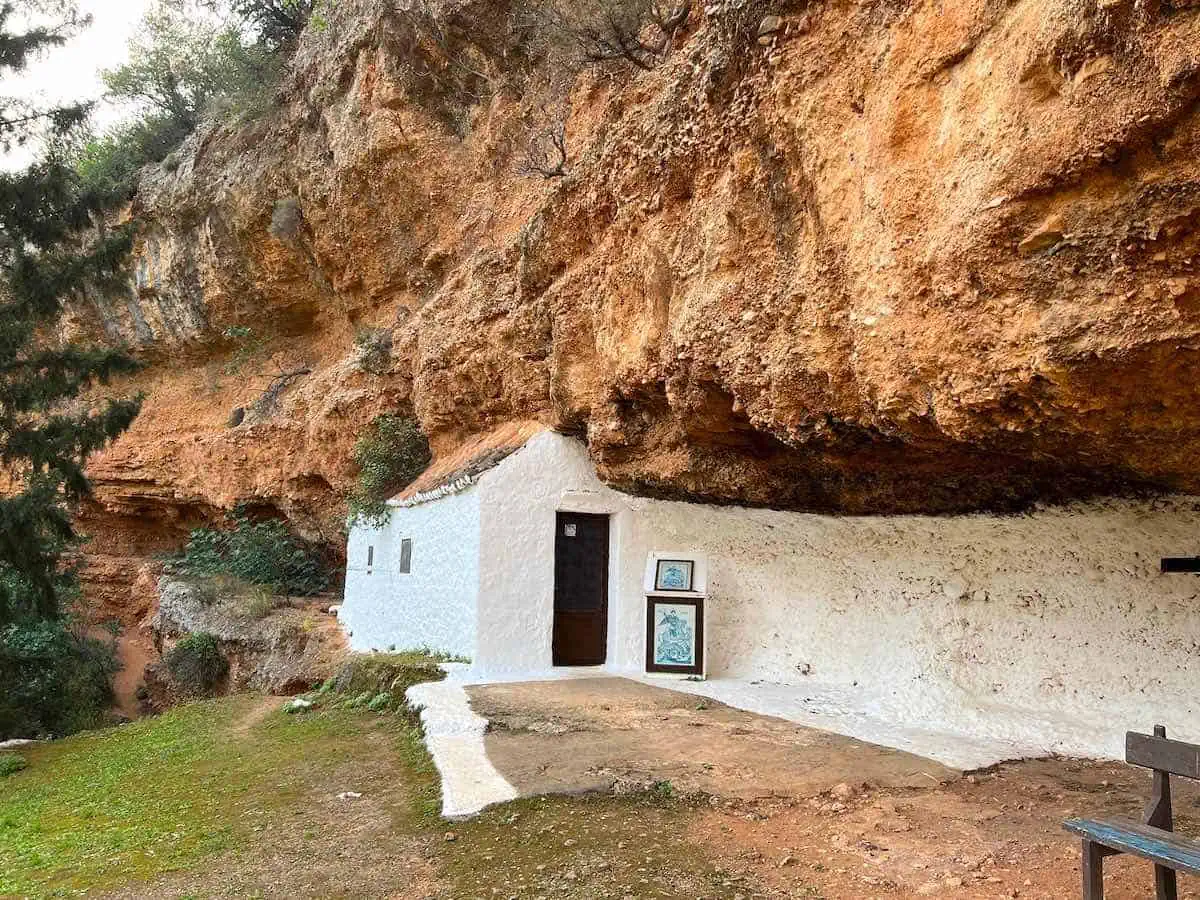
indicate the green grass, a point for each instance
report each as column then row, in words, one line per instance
column 198, row 800
column 159, row 795
column 388, row 674
column 11, row 763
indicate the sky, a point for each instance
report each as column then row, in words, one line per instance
column 73, row 72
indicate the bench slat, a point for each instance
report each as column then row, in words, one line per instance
column 1173, row 851
column 1163, row 754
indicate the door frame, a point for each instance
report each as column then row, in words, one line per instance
column 607, row 594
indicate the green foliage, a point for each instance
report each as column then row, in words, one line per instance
column 21, row 121
column 197, row 663
column 390, row 457
column 381, row 702
column 53, row 247
column 11, row 764
column 181, row 63
column 263, row 553
column 374, row 346
column 184, row 66
column 378, row 682
column 319, row 20
column 56, row 679
column 108, row 166
column 278, row 23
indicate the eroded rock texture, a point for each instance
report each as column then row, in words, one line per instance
column 887, row 256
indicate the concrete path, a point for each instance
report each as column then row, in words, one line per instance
column 455, row 738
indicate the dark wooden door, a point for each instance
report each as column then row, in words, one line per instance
column 581, row 590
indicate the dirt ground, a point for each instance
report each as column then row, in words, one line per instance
column 803, row 813
column 687, row 800
column 135, row 651
column 594, row 734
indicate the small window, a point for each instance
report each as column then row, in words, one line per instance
column 370, row 557
column 406, row 556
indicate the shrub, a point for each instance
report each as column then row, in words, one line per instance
column 11, row 763
column 108, row 165
column 374, row 346
column 56, row 679
column 547, row 154
column 637, row 32
column 389, row 457
column 197, row 664
column 260, row 603
column 263, row 553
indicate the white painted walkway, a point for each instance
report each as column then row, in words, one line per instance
column 454, row 736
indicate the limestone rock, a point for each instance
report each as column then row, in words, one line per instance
column 694, row 299
column 770, row 25
column 1044, row 237
column 285, row 652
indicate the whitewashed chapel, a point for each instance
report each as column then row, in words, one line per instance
column 1043, row 629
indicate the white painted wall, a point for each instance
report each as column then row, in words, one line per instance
column 1052, row 630
column 1049, row 631
column 435, row 606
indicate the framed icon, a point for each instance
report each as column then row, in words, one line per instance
column 673, row 575
column 675, row 636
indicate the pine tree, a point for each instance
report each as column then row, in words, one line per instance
column 54, row 246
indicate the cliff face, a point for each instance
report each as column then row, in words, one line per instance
column 869, row 256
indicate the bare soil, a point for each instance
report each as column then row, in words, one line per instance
column 599, row 733
column 135, row 651
column 798, row 813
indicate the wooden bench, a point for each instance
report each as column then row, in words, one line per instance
column 1153, row 839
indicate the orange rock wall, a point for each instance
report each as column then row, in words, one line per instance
column 890, row 257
